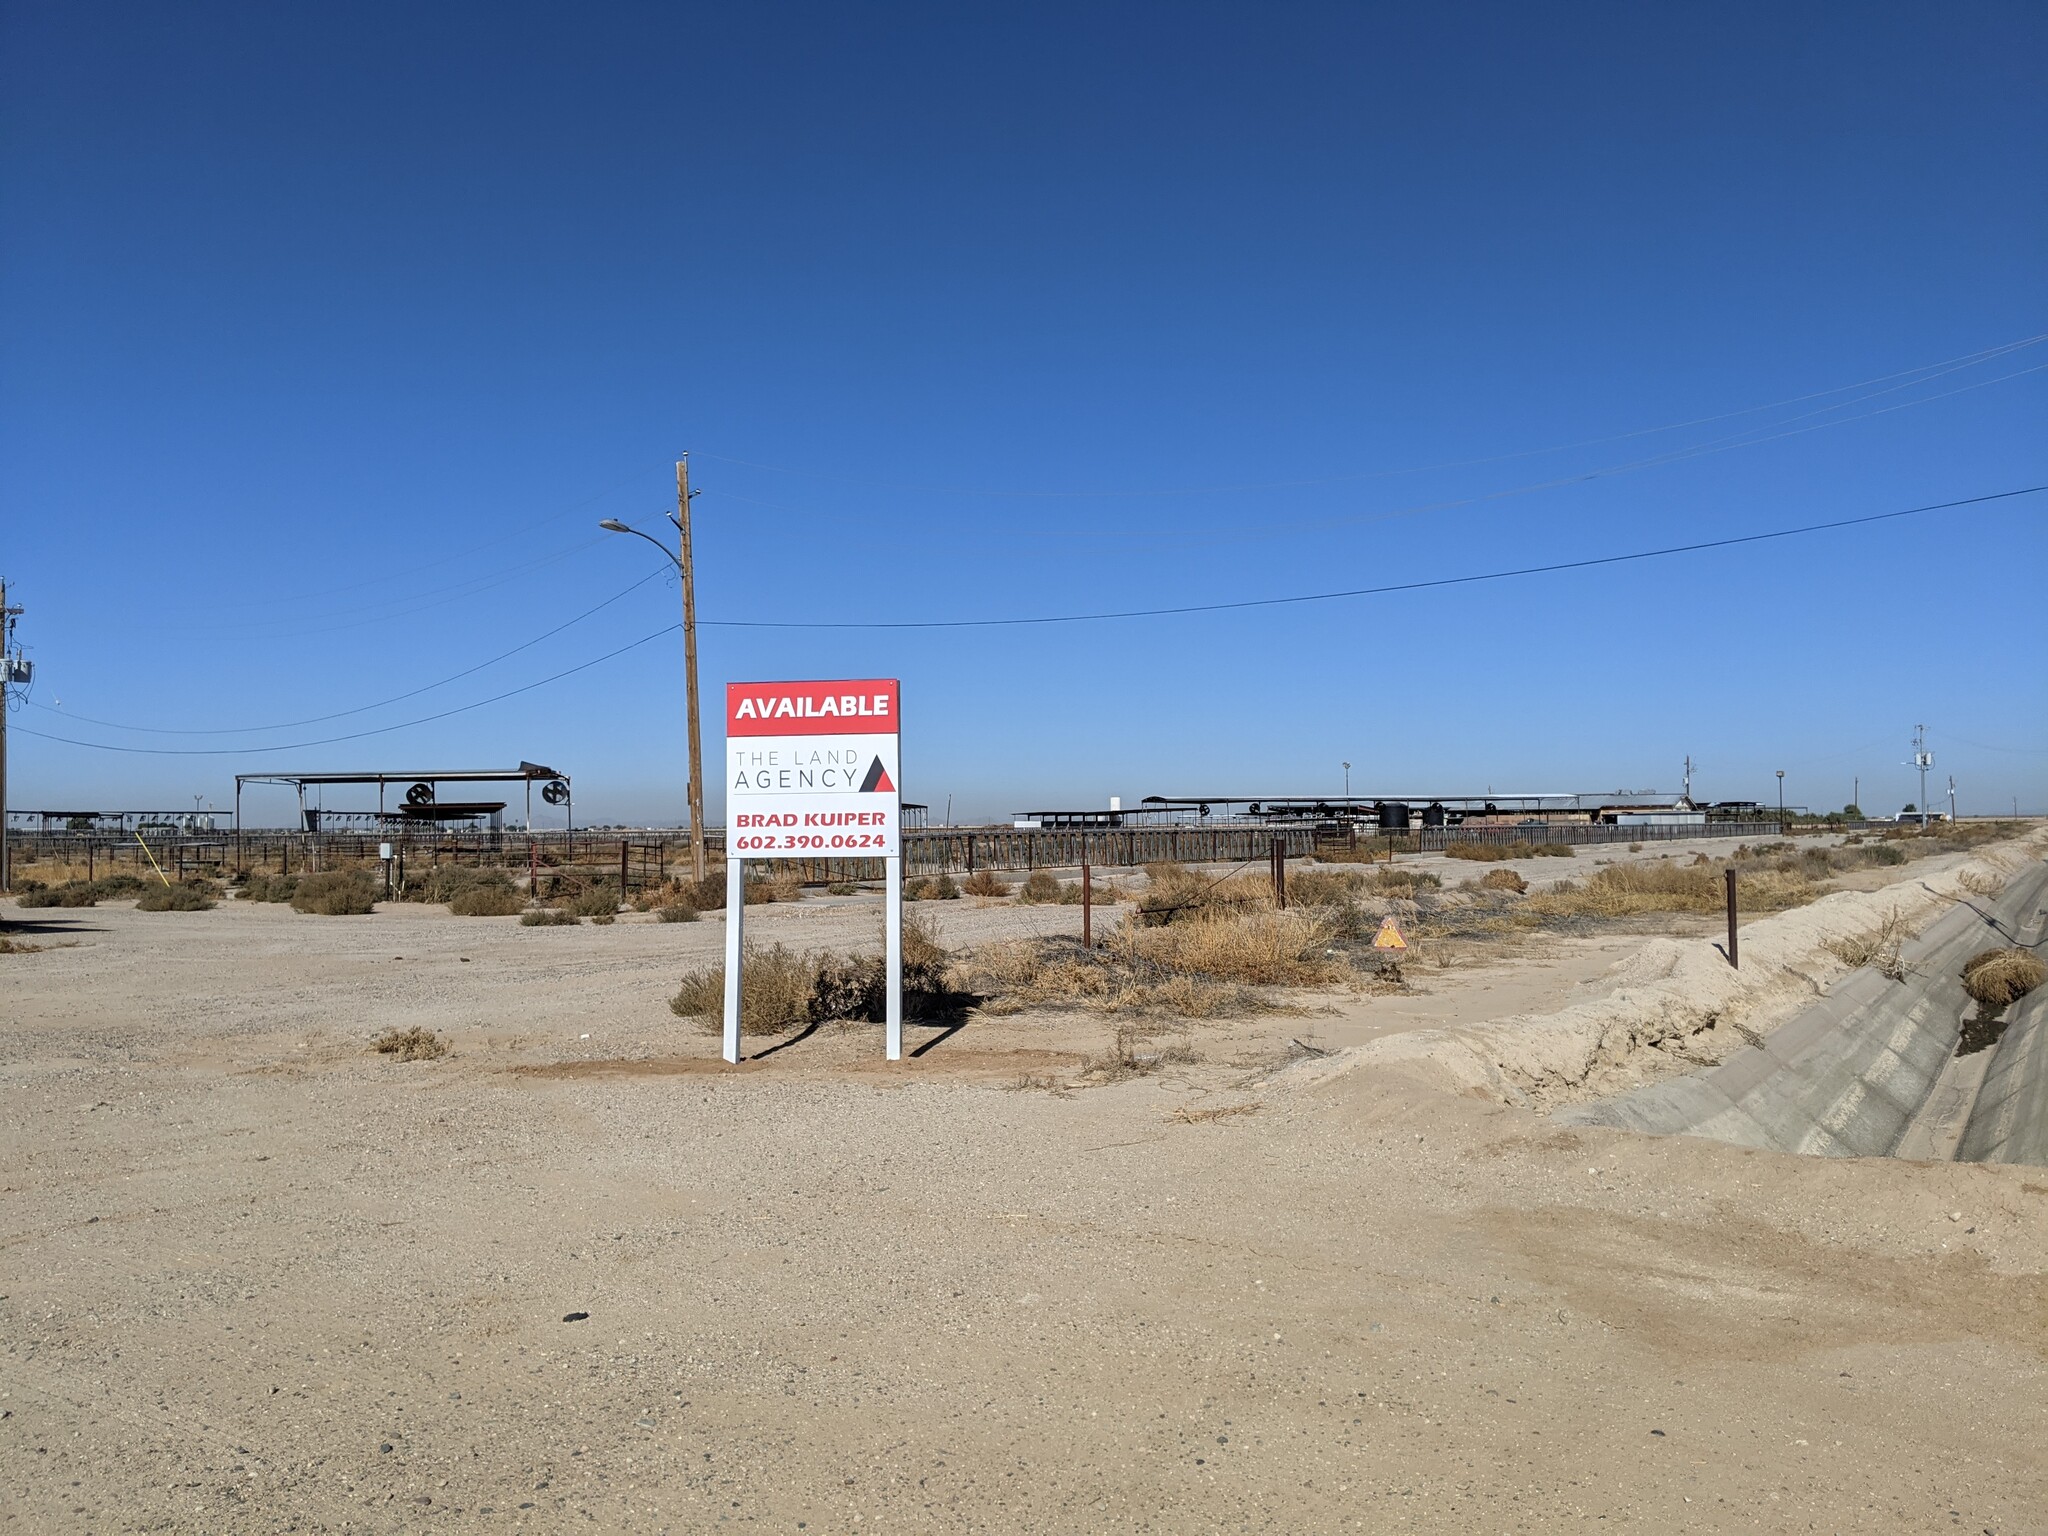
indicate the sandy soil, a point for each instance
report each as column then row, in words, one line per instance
column 257, row 1278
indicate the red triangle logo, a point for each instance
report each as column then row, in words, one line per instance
column 877, row 782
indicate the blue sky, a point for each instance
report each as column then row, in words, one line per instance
column 329, row 333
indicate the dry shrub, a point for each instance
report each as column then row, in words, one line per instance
column 1042, row 885
column 855, row 988
column 842, row 888
column 548, row 917
column 600, row 898
column 931, row 888
column 336, row 893
column 1503, row 880
column 985, row 882
column 84, row 893
column 1880, row 946
column 190, row 896
column 1980, row 884
column 1402, row 884
column 775, row 992
column 265, row 887
column 1998, row 978
column 414, row 1044
column 495, row 896
column 17, row 946
column 676, row 912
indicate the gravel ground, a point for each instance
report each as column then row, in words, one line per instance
column 257, row 1278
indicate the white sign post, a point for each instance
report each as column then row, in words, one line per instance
column 812, row 771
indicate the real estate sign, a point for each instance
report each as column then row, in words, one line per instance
column 811, row 771
column 812, row 768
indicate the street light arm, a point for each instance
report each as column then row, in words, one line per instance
column 612, row 525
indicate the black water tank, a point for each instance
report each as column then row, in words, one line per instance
column 1393, row 815
column 1433, row 815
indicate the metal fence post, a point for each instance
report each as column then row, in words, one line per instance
column 1732, row 956
column 1087, row 908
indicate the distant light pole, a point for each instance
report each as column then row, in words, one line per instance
column 1347, row 781
column 1781, row 802
column 686, row 566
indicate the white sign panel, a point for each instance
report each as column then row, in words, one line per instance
column 812, row 770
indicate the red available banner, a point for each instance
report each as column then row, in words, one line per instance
column 863, row 707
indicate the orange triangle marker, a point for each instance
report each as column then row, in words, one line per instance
column 1389, row 936
column 877, row 782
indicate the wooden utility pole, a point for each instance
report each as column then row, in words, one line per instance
column 696, row 788
column 7, row 616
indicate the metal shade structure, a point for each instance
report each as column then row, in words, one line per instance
column 422, row 788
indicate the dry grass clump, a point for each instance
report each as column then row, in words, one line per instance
column 337, row 893
column 414, row 1044
column 1503, row 880
column 18, row 946
column 985, row 882
column 1980, row 884
column 1128, row 1057
column 548, row 917
column 1494, row 853
column 267, row 887
column 1186, row 1116
column 931, row 888
column 761, row 889
column 1314, row 887
column 1205, row 966
column 676, row 912
column 1625, row 890
column 1253, row 947
column 1173, row 892
column 1998, row 978
column 1879, row 947
column 188, row 896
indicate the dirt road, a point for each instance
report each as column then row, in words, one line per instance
column 258, row 1279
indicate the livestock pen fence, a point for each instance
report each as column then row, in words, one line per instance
column 642, row 860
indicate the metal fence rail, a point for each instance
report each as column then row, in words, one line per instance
column 641, row 861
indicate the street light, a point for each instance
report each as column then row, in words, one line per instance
column 1347, row 781
column 1781, row 802
column 684, row 565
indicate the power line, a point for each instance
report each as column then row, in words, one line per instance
column 1934, row 370
column 1744, row 439
column 1405, row 586
column 1589, row 563
column 382, row 730
column 361, row 709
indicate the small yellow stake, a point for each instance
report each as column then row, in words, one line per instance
column 152, row 861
